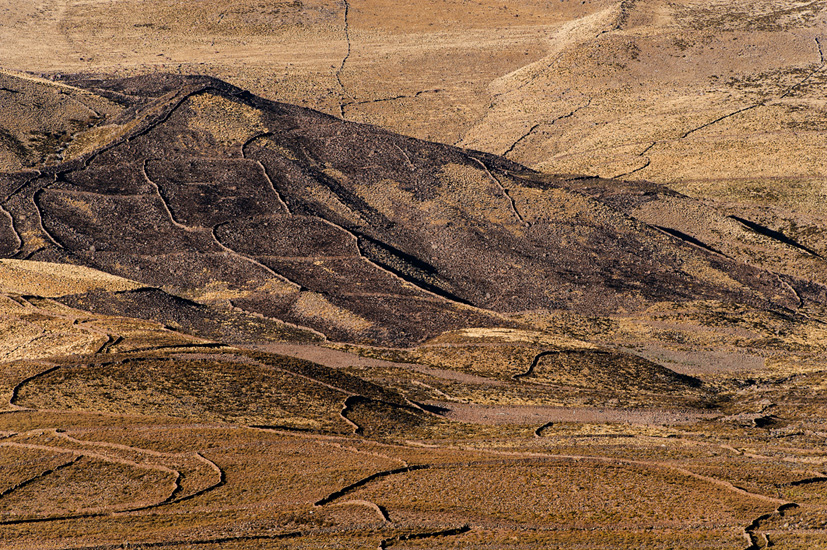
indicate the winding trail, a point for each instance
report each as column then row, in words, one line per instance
column 14, row 230
column 195, row 542
column 264, row 168
column 386, row 543
column 380, row 510
column 503, row 190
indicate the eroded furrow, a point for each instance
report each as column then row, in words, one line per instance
column 775, row 235
column 550, row 123
column 540, row 430
column 346, row 407
column 809, row 480
column 519, row 140
column 345, row 58
column 365, row 480
column 380, row 510
column 386, row 99
column 110, row 342
column 688, row 239
column 533, row 366
column 220, row 482
column 41, row 475
column 422, row 286
column 636, row 170
column 16, row 389
column 758, row 540
column 720, row 118
column 22, row 186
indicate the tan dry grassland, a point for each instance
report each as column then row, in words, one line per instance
column 714, row 98
column 159, row 439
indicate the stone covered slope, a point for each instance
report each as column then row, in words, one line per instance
column 224, row 198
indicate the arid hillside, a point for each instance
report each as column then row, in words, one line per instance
column 716, row 99
column 441, row 274
column 212, row 194
column 237, row 323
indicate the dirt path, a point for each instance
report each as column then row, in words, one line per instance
column 539, row 414
column 336, row 359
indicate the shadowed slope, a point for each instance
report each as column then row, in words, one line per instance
column 226, row 198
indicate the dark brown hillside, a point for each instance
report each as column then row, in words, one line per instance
column 225, row 198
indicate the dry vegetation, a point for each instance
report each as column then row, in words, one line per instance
column 254, row 326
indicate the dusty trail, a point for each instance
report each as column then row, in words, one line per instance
column 337, row 359
column 523, row 458
column 80, row 322
column 503, row 190
column 91, row 454
column 380, row 510
column 491, row 415
column 252, row 260
column 164, row 201
column 14, row 230
column 42, row 227
column 821, row 63
column 264, row 169
column 11, row 352
column 386, row 543
column 173, row 497
column 195, row 542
